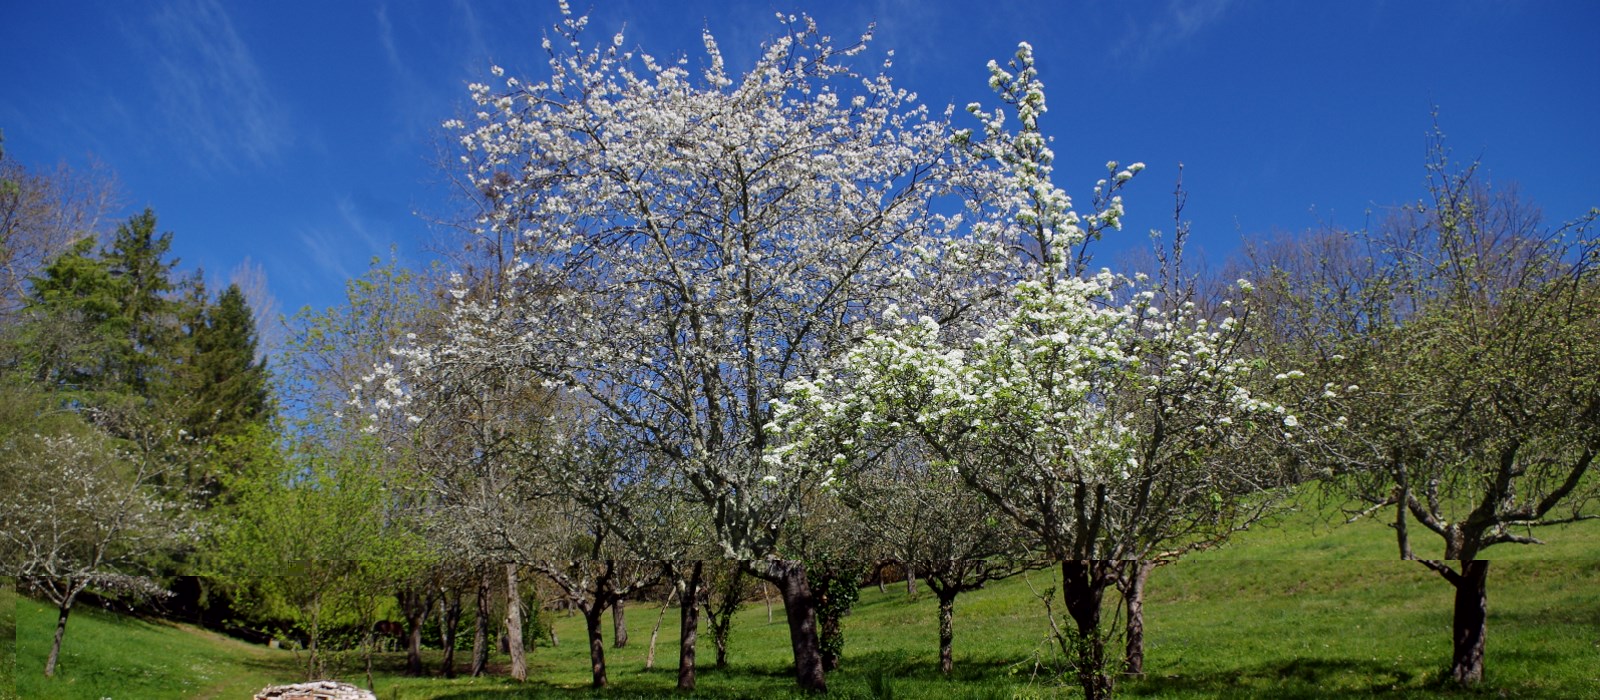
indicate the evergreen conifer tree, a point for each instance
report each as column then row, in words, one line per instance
column 231, row 391
column 137, row 259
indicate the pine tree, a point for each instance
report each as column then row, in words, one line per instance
column 231, row 390
column 148, row 319
column 72, row 326
column 106, row 325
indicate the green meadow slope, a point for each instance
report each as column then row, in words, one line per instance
column 1303, row 610
column 8, row 639
column 107, row 655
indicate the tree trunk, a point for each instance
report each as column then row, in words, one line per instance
column 619, row 626
column 62, row 611
column 947, row 632
column 514, row 645
column 719, row 635
column 1470, row 623
column 449, row 623
column 314, row 659
column 1133, row 598
column 650, row 656
column 911, row 578
column 414, row 648
column 597, row 644
column 800, row 607
column 766, row 594
column 480, row 629
column 690, row 627
column 414, row 605
column 880, row 567
column 1083, row 588
column 722, row 614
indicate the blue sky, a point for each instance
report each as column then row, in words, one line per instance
column 304, row 137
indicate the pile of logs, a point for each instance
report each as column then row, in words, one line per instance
column 315, row 690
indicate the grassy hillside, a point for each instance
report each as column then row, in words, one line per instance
column 106, row 655
column 8, row 639
column 1290, row 612
column 1277, row 629
column 1310, row 528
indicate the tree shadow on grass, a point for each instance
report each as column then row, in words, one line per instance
column 1306, row 679
column 533, row 690
column 1296, row 678
column 863, row 676
column 1564, row 615
column 919, row 667
column 720, row 684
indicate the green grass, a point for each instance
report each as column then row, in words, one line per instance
column 1299, row 610
column 106, row 655
column 8, row 639
column 1311, row 529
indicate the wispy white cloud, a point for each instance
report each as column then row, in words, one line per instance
column 391, row 51
column 477, row 48
column 340, row 249
column 417, row 104
column 1175, row 24
column 365, row 231
column 323, row 249
column 210, row 87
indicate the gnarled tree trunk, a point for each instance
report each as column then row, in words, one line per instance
column 947, row 630
column 800, row 607
column 597, row 644
column 690, row 627
column 1470, row 624
column 1083, row 588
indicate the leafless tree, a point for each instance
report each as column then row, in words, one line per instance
column 42, row 213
